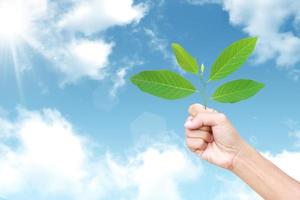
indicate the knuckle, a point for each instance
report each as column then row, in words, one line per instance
column 187, row 133
column 188, row 142
column 222, row 117
column 200, row 142
column 194, row 108
column 205, row 128
column 191, row 108
column 205, row 136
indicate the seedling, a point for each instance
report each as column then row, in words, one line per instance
column 170, row 85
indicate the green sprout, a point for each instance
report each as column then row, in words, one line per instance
column 170, row 85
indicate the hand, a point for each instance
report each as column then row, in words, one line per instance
column 211, row 135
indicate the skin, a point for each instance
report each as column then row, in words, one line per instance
column 210, row 135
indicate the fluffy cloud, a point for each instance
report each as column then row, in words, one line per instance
column 87, row 58
column 267, row 20
column 41, row 154
column 97, row 15
column 234, row 189
column 119, row 81
column 288, row 161
column 155, row 173
column 90, row 57
column 48, row 158
column 64, row 32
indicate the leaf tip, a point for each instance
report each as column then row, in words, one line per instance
column 174, row 45
column 202, row 68
column 262, row 85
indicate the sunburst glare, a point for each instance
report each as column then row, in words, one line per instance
column 13, row 21
column 15, row 32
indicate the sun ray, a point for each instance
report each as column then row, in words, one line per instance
column 16, row 25
column 17, row 70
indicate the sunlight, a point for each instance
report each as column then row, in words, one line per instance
column 15, row 31
column 14, row 21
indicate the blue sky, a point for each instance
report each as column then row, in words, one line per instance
column 73, row 126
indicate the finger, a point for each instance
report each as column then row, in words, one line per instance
column 204, row 135
column 205, row 119
column 189, row 118
column 197, row 108
column 196, row 144
column 194, row 109
column 204, row 128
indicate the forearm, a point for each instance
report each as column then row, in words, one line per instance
column 263, row 176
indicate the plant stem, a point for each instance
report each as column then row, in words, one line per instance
column 203, row 91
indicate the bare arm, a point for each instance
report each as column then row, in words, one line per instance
column 211, row 135
column 263, row 176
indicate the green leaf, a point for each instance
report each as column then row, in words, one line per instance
column 163, row 83
column 202, row 68
column 184, row 59
column 232, row 58
column 238, row 90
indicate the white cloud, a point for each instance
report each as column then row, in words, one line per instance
column 44, row 158
column 267, row 19
column 119, row 78
column 159, row 44
column 97, row 15
column 119, row 81
column 155, row 173
column 288, row 161
column 235, row 189
column 90, row 58
column 54, row 29
column 84, row 57
column 47, row 158
column 106, row 95
column 87, row 58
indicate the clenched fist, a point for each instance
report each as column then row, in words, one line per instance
column 211, row 135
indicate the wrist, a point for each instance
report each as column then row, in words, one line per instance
column 262, row 175
column 244, row 153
